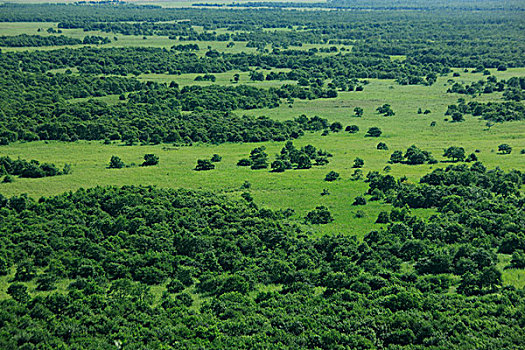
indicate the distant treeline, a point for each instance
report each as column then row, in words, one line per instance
column 37, row 40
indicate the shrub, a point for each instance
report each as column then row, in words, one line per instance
column 331, row 176
column 373, row 132
column 204, row 164
column 359, row 200
column 116, row 163
column 319, row 216
column 150, row 159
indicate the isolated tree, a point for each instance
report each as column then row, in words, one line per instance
column 504, row 148
column 358, row 163
column 150, row 159
column 386, row 110
column 244, row 162
column 216, row 158
column 331, row 176
column 336, row 127
column 455, row 153
column 373, row 132
column 382, row 146
column 415, row 156
column 116, row 163
column 204, row 164
column 352, row 129
column 358, row 111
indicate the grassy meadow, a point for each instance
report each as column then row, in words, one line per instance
column 296, row 189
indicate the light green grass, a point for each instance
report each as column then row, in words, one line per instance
column 296, row 189
column 514, row 277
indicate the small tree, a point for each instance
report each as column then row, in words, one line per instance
column 278, row 166
column 336, row 127
column 457, row 117
column 216, row 158
column 331, row 176
column 303, row 162
column 358, row 163
column 244, row 162
column 471, row 158
column 319, row 216
column 382, row 146
column 455, row 153
column 204, row 164
column 359, row 200
column 386, row 110
column 504, row 148
column 358, row 112
column 352, row 129
column 259, row 158
column 116, row 163
column 396, row 157
column 373, row 132
column 150, row 159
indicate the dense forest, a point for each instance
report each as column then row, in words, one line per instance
column 111, row 245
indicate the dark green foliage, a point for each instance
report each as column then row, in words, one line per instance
column 414, row 156
column 8, row 179
column 386, row 110
column 31, row 169
column 358, row 111
column 396, row 157
column 352, row 129
column 336, row 127
column 150, row 159
column 204, row 164
column 457, row 117
column 121, row 241
column 216, row 158
column 37, row 40
column 244, row 162
column 278, row 166
column 331, row 176
column 319, row 216
column 455, row 153
column 302, row 158
column 496, row 112
column 116, row 163
column 382, row 146
column 259, row 158
column 504, row 148
column 358, row 163
column 373, row 132
column 383, row 218
column 359, row 200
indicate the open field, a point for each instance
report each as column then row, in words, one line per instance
column 406, row 128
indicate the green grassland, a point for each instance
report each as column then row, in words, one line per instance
column 121, row 40
column 296, row 189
